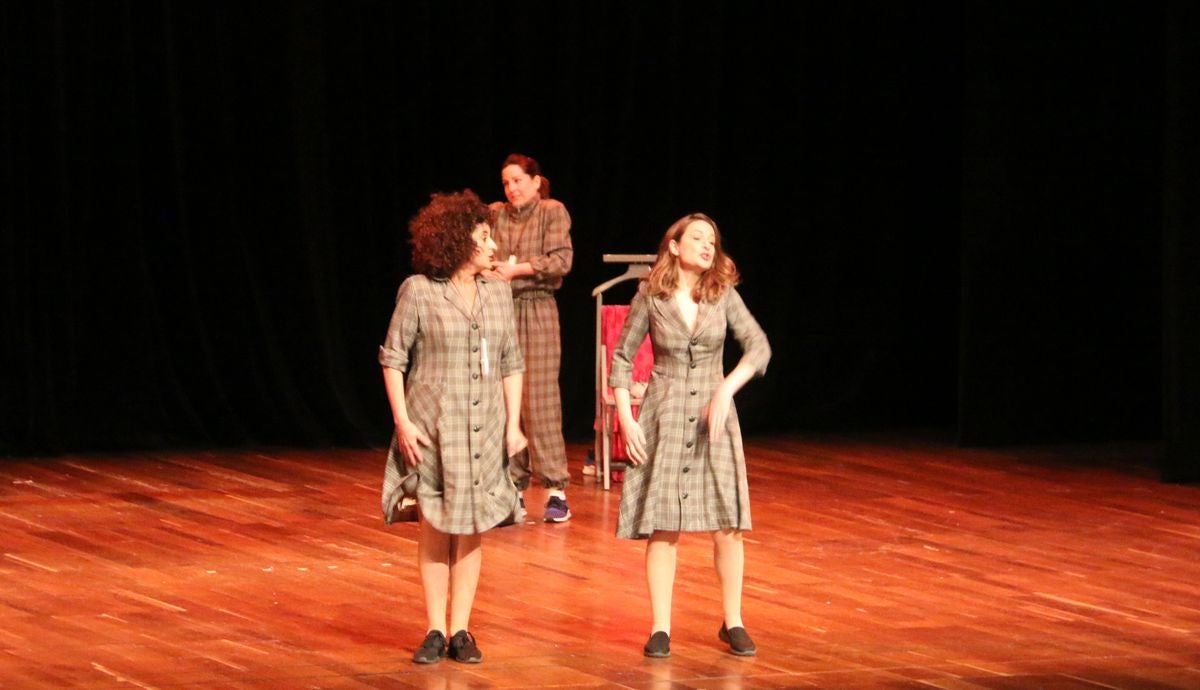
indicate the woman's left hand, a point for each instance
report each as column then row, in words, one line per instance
column 718, row 412
column 514, row 441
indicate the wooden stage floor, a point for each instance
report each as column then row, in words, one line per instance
column 875, row 563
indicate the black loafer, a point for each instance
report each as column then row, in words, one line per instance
column 432, row 649
column 463, row 648
column 658, row 646
column 738, row 640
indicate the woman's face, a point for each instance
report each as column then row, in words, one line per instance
column 696, row 247
column 519, row 187
column 485, row 249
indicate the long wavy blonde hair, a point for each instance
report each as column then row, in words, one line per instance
column 664, row 276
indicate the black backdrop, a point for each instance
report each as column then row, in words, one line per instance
column 947, row 215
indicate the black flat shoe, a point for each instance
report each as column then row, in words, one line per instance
column 432, row 649
column 738, row 640
column 462, row 648
column 658, row 646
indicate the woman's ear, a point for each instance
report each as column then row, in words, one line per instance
column 673, row 247
column 537, row 180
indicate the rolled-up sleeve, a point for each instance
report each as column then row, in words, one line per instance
column 558, row 253
column 637, row 324
column 403, row 329
column 756, row 351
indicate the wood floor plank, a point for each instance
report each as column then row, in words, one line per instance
column 876, row 562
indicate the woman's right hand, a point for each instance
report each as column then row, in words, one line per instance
column 410, row 438
column 635, row 440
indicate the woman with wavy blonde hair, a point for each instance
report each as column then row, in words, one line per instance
column 688, row 469
column 664, row 275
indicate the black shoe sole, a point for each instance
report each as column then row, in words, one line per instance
column 434, row 660
column 723, row 635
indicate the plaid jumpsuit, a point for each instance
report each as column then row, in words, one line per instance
column 539, row 233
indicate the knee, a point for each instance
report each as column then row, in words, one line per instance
column 728, row 536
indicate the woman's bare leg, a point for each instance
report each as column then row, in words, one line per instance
column 729, row 557
column 661, row 552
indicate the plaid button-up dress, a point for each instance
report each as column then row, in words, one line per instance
column 453, row 361
column 687, row 484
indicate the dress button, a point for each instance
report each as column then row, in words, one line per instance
column 477, row 457
column 474, row 326
column 692, row 365
column 692, row 392
column 474, row 403
column 694, row 341
column 475, row 374
column 689, row 444
column 684, row 494
column 475, row 428
column 692, row 418
column 476, row 482
column 686, row 470
column 475, row 349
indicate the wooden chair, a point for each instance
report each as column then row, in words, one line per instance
column 609, row 321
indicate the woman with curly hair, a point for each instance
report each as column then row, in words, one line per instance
column 533, row 233
column 688, row 470
column 452, row 368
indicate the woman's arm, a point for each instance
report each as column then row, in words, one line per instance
column 408, row 435
column 756, row 352
column 512, row 366
column 722, row 398
column 620, row 376
column 514, row 440
column 557, row 251
column 635, row 440
column 394, row 357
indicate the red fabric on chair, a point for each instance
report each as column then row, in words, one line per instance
column 612, row 320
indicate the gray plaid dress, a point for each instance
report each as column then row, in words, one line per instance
column 462, row 481
column 687, row 483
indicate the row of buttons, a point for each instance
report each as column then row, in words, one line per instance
column 475, row 403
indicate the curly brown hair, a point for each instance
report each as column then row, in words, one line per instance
column 441, row 232
column 664, row 276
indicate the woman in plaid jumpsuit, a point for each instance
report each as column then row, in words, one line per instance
column 452, row 367
column 688, row 471
column 533, row 234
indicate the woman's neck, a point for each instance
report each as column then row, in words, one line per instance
column 527, row 207
column 463, row 277
column 688, row 280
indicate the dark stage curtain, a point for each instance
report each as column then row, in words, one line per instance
column 1061, row 222
column 204, row 203
column 1181, row 251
